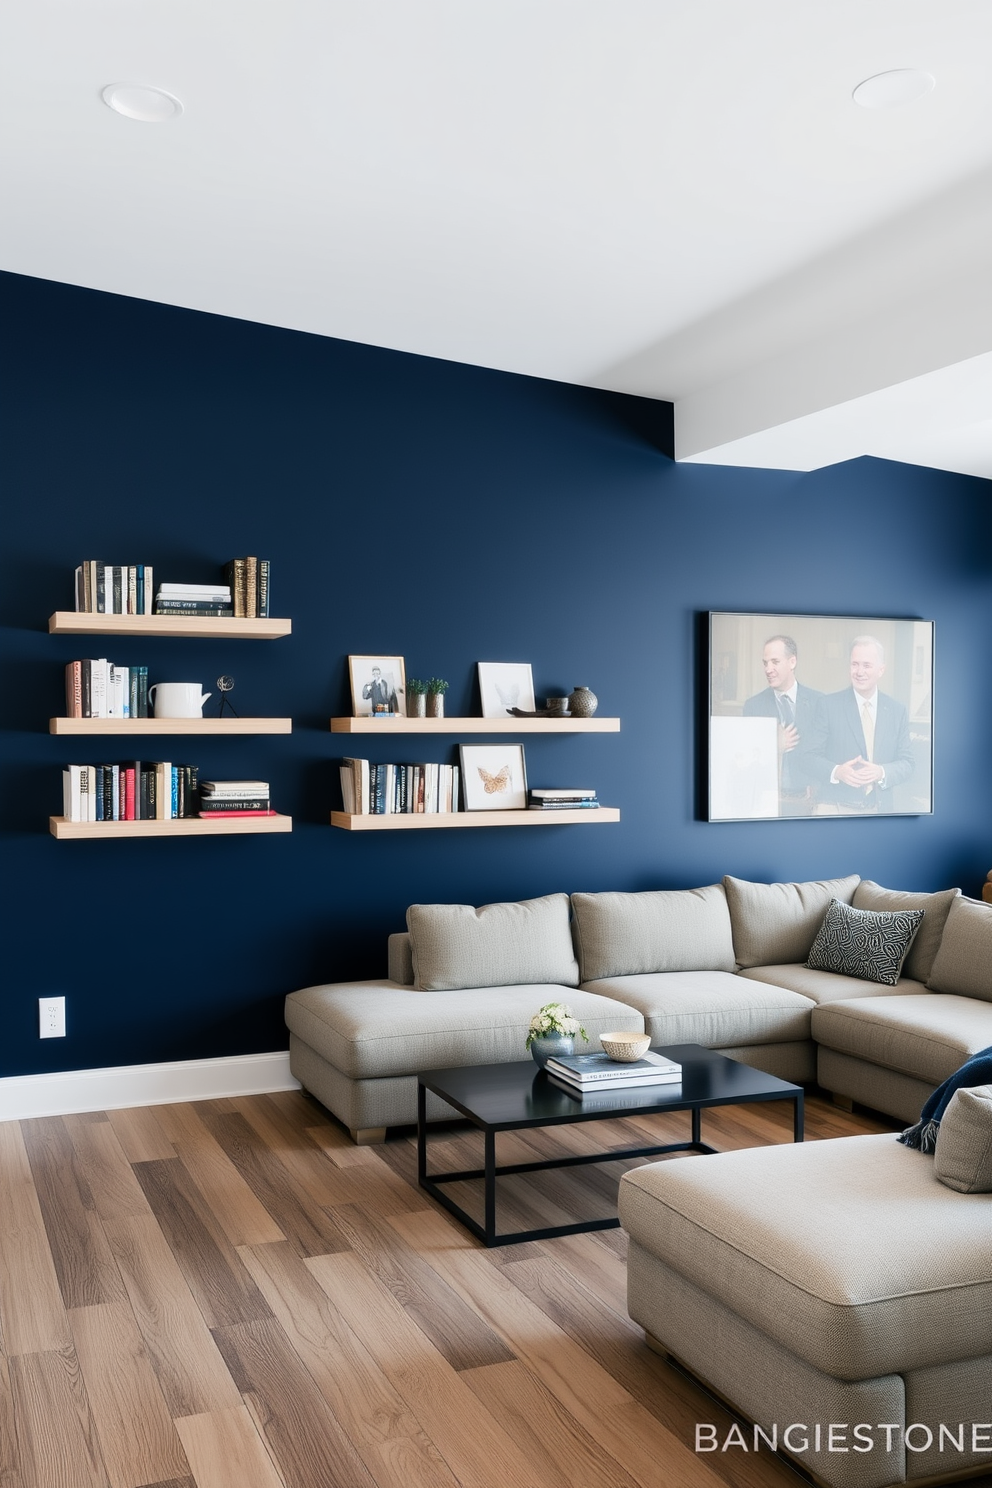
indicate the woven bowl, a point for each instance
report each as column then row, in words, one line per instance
column 625, row 1048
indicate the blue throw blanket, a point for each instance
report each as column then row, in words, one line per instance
column 977, row 1071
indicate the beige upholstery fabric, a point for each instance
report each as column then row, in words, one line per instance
column 400, row 959
column 712, row 1008
column 870, row 1085
column 927, row 1037
column 963, row 965
column 455, row 946
column 954, row 1394
column 777, row 922
column 920, row 956
column 368, row 1030
column 630, row 934
column 795, row 1062
column 840, row 1250
column 765, row 1381
column 828, row 986
column 362, row 1103
column 963, row 1156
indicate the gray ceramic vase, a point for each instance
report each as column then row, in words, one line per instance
column 583, row 703
column 548, row 1044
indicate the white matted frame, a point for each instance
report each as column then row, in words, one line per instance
column 504, row 685
column 494, row 777
column 819, row 715
column 378, row 683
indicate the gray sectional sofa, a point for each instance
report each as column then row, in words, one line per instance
column 723, row 966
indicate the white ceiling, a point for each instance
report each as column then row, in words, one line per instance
column 676, row 198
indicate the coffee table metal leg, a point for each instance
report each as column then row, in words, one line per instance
column 421, row 1132
column 490, row 1220
column 697, row 1126
column 797, row 1118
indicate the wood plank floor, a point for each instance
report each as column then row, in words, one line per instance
column 229, row 1294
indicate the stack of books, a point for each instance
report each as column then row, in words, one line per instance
column 205, row 600
column 379, row 790
column 584, row 1073
column 99, row 689
column 561, row 799
column 139, row 790
column 249, row 583
column 235, row 798
column 114, row 588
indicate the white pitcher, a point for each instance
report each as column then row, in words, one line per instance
column 178, row 699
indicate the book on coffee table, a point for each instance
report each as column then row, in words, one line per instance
column 596, row 1071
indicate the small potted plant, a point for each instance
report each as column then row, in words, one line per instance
column 552, row 1031
column 436, row 688
column 416, row 692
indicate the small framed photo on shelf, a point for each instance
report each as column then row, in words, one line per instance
column 378, row 686
column 505, row 685
column 494, row 777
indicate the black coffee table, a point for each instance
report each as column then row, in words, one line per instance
column 512, row 1097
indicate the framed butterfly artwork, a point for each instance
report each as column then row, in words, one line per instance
column 494, row 777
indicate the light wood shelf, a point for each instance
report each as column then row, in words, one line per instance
column 475, row 726
column 143, row 726
column 402, row 821
column 86, row 622
column 185, row 826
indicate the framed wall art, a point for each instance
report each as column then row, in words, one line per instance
column 494, row 777
column 378, row 685
column 814, row 716
column 504, row 685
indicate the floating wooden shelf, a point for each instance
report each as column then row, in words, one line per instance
column 142, row 726
column 401, row 821
column 186, row 826
column 85, row 622
column 475, row 725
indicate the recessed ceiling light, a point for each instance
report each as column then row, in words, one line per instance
column 888, row 90
column 148, row 105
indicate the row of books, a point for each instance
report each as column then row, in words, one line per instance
column 249, row 583
column 561, row 799
column 114, row 588
column 377, row 790
column 202, row 600
column 235, row 798
column 128, row 589
column 101, row 689
column 584, row 1073
column 139, row 790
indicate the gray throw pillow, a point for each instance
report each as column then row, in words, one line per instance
column 455, row 946
column 865, row 943
column 963, row 964
column 919, row 961
column 962, row 1158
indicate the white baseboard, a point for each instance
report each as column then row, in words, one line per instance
column 70, row 1091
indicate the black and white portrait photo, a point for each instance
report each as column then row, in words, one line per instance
column 378, row 685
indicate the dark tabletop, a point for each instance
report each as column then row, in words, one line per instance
column 510, row 1096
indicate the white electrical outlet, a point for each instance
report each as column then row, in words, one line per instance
column 51, row 1017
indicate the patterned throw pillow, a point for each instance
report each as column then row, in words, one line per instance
column 866, row 943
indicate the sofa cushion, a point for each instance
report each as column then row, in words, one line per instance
column 665, row 930
column 828, row 986
column 712, row 1008
column 400, row 958
column 867, row 943
column 795, row 1239
column 369, row 1030
column 919, row 961
column 928, row 1037
column 963, row 964
column 963, row 1156
column 777, row 922
column 455, row 946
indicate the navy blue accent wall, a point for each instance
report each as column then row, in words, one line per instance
column 449, row 514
